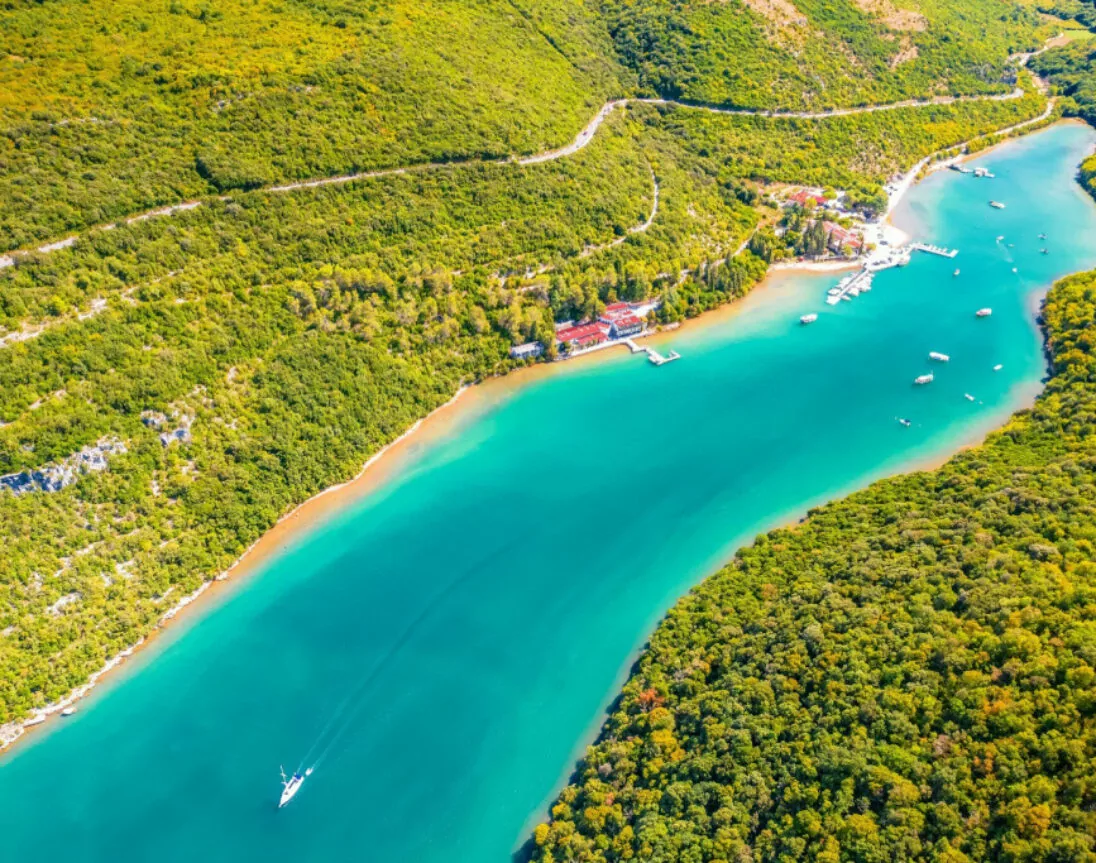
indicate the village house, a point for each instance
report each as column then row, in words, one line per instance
column 583, row 335
column 627, row 325
column 528, row 351
column 807, row 198
column 839, row 239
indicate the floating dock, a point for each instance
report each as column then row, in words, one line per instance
column 654, row 356
column 934, row 250
column 851, row 286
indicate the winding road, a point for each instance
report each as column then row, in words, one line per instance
column 581, row 140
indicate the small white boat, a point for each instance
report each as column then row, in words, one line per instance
column 968, row 397
column 68, row 711
column 998, row 367
column 833, row 292
column 983, row 313
column 808, row 319
column 854, row 292
column 291, row 786
column 833, row 300
column 939, row 357
column 1015, row 270
column 997, row 205
column 905, row 422
column 1001, row 237
column 847, row 298
column 956, row 273
column 921, row 380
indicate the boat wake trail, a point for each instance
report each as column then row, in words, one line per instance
column 342, row 719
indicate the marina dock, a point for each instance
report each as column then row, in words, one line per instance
column 934, row 250
column 654, row 356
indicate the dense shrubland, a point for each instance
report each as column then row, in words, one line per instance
column 111, row 109
column 908, row 675
column 813, row 54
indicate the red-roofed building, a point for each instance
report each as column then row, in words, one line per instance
column 583, row 335
column 840, row 238
column 614, row 311
column 627, row 325
column 805, row 198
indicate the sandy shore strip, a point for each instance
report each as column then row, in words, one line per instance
column 466, row 403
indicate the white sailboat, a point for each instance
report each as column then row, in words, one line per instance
column 292, row 785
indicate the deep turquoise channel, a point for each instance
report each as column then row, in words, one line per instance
column 460, row 632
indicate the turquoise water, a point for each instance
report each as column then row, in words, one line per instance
column 460, row 633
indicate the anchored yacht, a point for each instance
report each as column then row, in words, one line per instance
column 939, row 357
column 291, row 786
column 923, row 379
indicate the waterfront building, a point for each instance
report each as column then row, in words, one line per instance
column 528, row 351
column 583, row 335
column 627, row 325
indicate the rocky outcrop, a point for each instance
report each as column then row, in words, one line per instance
column 64, row 473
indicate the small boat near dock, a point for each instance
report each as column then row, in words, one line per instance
column 68, row 711
column 983, row 313
column 921, row 380
column 808, row 319
column 939, row 357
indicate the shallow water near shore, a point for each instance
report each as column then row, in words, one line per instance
column 442, row 649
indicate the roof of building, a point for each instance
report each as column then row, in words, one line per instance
column 582, row 332
column 804, row 195
column 628, row 320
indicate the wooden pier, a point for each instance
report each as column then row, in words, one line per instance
column 654, row 356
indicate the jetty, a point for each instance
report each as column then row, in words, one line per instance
column 851, row 286
column 934, row 250
column 654, row 356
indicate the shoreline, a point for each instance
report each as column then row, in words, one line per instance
column 386, row 461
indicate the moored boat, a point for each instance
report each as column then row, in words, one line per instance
column 808, row 319
column 998, row 367
column 968, row 397
column 921, row 380
column 905, row 422
column 983, row 313
column 939, row 357
column 997, row 205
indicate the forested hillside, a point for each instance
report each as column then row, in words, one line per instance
column 806, row 53
column 109, row 109
column 908, row 675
